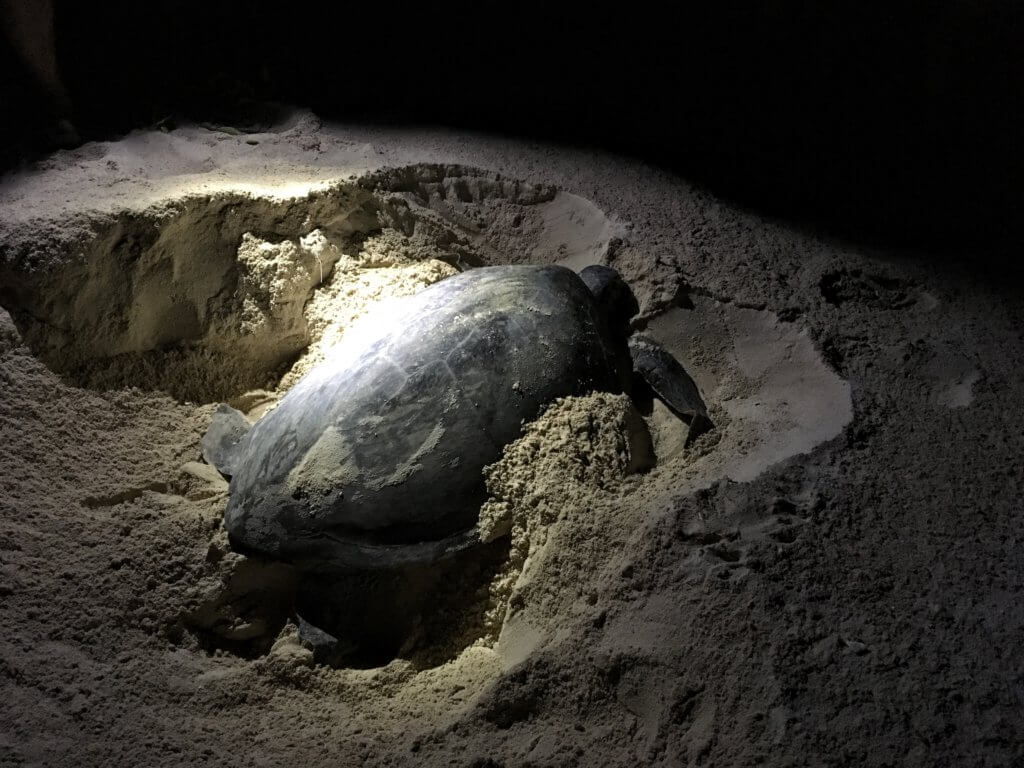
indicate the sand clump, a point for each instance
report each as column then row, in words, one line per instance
column 276, row 279
column 571, row 458
column 577, row 445
column 366, row 282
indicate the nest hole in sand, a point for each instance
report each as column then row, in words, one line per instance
column 231, row 297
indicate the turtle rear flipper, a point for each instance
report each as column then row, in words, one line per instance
column 670, row 382
column 326, row 647
column 220, row 444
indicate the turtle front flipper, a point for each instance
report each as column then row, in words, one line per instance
column 221, row 445
column 670, row 382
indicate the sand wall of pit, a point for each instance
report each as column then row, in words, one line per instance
column 153, row 298
column 205, row 297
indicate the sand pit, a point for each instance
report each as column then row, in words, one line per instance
column 204, row 276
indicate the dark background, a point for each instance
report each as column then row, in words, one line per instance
column 891, row 122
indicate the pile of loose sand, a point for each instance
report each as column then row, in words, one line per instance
column 569, row 461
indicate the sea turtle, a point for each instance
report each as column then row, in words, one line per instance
column 374, row 459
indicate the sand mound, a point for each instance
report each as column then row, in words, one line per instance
column 568, row 462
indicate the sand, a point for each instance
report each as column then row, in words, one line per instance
column 829, row 576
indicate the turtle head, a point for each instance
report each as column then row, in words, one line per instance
column 614, row 297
